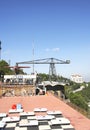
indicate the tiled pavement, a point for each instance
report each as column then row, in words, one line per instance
column 50, row 102
column 49, row 120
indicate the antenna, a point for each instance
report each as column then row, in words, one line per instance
column 0, row 50
column 33, row 55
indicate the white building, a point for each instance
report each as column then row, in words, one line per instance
column 21, row 79
column 77, row 78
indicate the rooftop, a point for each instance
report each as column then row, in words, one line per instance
column 79, row 121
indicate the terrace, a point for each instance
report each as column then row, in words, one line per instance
column 42, row 112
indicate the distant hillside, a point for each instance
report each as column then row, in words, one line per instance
column 79, row 94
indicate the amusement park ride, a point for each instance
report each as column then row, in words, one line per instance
column 50, row 61
column 16, row 68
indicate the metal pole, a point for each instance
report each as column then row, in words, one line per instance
column 0, row 50
column 33, row 56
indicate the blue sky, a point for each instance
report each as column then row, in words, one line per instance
column 57, row 28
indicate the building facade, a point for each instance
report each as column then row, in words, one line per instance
column 77, row 78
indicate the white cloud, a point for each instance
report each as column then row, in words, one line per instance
column 53, row 49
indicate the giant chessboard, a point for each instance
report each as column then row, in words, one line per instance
column 51, row 120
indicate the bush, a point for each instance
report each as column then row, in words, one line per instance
column 78, row 100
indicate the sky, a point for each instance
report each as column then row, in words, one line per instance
column 52, row 28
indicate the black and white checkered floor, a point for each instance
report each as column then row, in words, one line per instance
column 42, row 126
column 37, row 122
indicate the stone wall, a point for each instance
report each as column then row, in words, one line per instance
column 17, row 90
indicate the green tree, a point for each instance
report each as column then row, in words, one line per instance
column 4, row 69
column 78, row 100
column 86, row 93
column 43, row 76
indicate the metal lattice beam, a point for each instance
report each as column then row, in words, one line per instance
column 51, row 61
column 45, row 61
